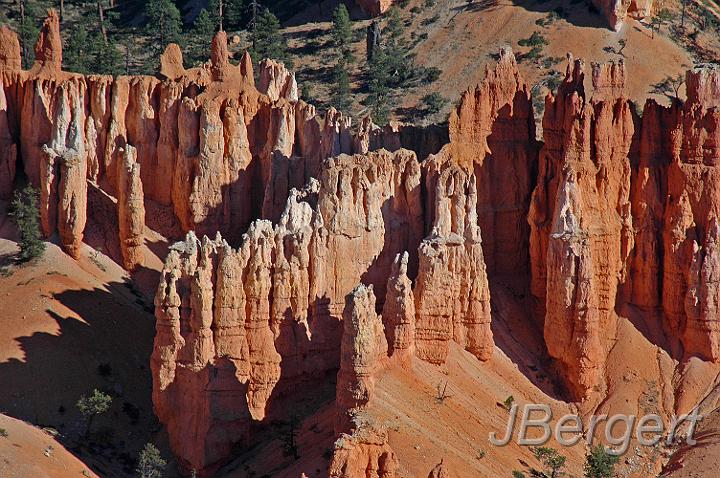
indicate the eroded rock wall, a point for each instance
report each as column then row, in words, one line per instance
column 272, row 307
column 581, row 220
column 215, row 152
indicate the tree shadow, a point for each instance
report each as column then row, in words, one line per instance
column 475, row 6
column 580, row 13
column 107, row 349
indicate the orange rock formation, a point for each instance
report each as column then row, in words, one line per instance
column 617, row 11
column 374, row 7
column 337, row 247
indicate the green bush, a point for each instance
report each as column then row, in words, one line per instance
column 534, row 40
column 600, row 464
column 25, row 214
column 433, row 102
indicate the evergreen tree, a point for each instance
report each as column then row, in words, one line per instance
column 76, row 52
column 231, row 12
column 25, row 214
column 202, row 35
column 390, row 68
column 268, row 41
column 31, row 14
column 163, row 22
column 553, row 461
column 341, row 90
column 400, row 61
column 379, row 97
column 150, row 463
column 342, row 33
column 108, row 59
column 342, row 39
column 96, row 404
column 86, row 50
column 600, row 464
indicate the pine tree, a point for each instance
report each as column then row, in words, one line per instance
column 342, row 39
column 25, row 214
column 225, row 13
column 31, row 13
column 400, row 61
column 342, row 33
column 233, row 12
column 600, row 464
column 202, row 35
column 268, row 41
column 75, row 51
column 108, row 59
column 379, row 96
column 96, row 404
column 87, row 50
column 150, row 463
column 163, row 22
column 341, row 90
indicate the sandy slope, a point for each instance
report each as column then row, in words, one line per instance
column 69, row 327
column 28, row 451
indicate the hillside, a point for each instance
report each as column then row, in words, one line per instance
column 70, row 327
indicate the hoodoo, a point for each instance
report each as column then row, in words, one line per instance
column 311, row 252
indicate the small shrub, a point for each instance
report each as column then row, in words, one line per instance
column 508, row 403
column 534, row 40
column 431, row 20
column 518, row 474
column 24, row 212
column 3, row 433
column 534, row 53
column 429, row 3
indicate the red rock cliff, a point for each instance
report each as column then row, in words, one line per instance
column 215, row 153
column 581, row 220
